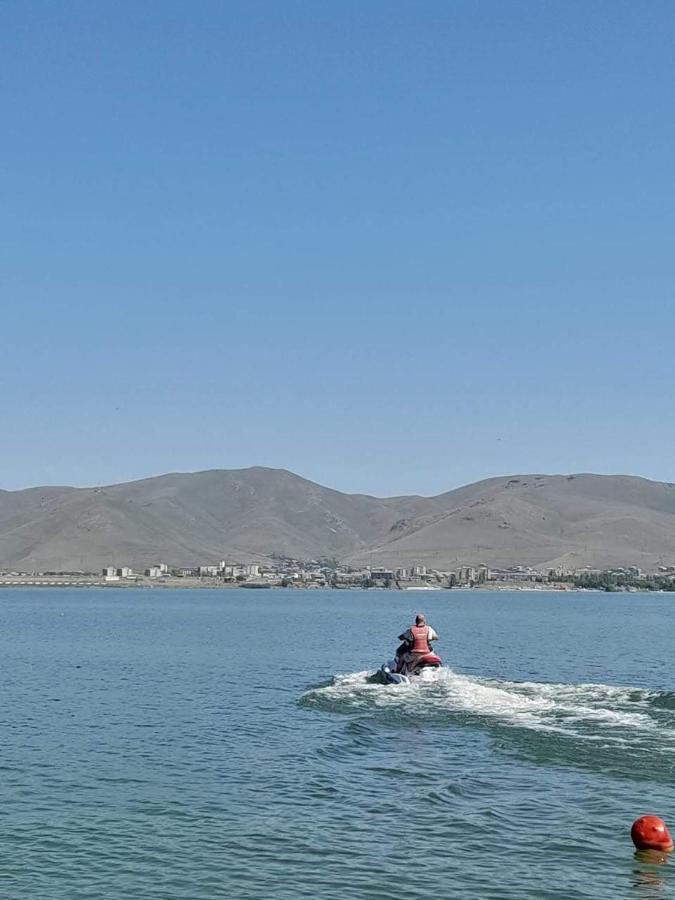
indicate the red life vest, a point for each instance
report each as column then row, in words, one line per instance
column 420, row 635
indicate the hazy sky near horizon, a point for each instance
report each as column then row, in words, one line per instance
column 392, row 246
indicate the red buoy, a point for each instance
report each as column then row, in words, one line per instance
column 651, row 833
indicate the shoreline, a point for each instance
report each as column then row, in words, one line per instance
column 213, row 584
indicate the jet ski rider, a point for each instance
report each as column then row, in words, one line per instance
column 416, row 642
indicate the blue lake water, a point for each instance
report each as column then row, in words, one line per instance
column 208, row 744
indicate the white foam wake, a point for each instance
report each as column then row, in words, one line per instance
column 586, row 710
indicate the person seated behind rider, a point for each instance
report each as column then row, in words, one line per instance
column 416, row 641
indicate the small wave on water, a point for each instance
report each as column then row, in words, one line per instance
column 607, row 714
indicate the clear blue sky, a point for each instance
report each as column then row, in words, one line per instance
column 392, row 246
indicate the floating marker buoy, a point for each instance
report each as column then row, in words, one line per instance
column 651, row 833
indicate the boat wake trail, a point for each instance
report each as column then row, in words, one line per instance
column 609, row 716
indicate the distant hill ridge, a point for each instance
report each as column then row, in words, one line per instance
column 250, row 514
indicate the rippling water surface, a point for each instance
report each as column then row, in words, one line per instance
column 207, row 744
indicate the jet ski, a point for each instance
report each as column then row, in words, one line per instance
column 396, row 671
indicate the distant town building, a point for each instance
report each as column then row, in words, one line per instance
column 466, row 575
column 381, row 574
column 516, row 574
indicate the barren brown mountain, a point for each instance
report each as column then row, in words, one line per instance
column 250, row 514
